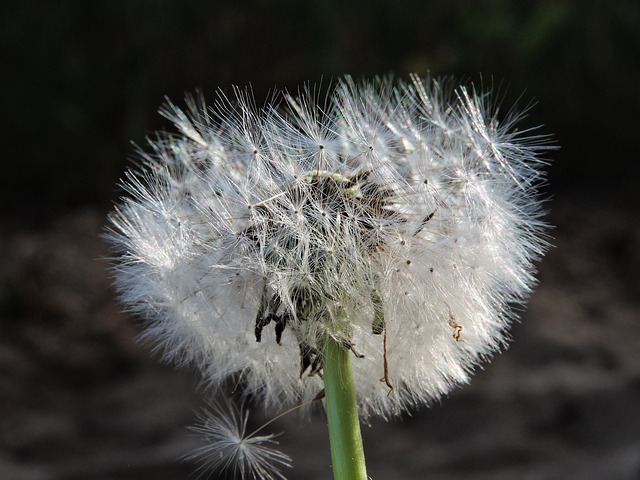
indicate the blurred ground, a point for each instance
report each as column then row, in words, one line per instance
column 80, row 400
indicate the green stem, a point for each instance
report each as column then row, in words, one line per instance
column 347, row 453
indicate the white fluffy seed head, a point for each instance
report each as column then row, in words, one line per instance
column 400, row 219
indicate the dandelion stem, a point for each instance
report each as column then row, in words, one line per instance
column 347, row 453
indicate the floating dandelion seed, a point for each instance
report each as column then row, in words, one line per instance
column 230, row 448
column 400, row 220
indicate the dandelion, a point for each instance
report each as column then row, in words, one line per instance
column 375, row 245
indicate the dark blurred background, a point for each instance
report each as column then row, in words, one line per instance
column 79, row 399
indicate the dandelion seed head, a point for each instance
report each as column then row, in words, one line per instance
column 402, row 219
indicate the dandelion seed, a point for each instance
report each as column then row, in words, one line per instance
column 372, row 220
column 231, row 449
